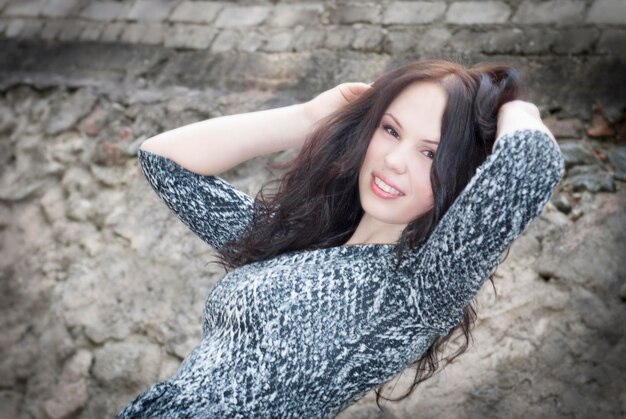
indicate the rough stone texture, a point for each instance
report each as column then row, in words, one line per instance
column 30, row 8
column 607, row 11
column 30, row 29
column 565, row 12
column 399, row 41
column 284, row 15
column 71, row 31
column 352, row 13
column 189, row 36
column 103, row 10
column 405, row 12
column 612, row 42
column 234, row 16
column 434, row 40
column 102, row 288
column 575, row 41
column 71, row 391
column 92, row 32
column 112, row 32
column 512, row 41
column 309, row 39
column 153, row 33
column 14, row 27
column 150, row 10
column 476, row 12
column 278, row 42
column 59, row 8
column 226, row 40
column 196, row 12
column 51, row 30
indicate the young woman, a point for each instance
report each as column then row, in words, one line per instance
column 400, row 203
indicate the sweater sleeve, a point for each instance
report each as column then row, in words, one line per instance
column 211, row 207
column 509, row 189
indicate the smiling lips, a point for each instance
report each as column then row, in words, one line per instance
column 384, row 190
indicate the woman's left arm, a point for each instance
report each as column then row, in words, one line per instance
column 509, row 189
column 516, row 115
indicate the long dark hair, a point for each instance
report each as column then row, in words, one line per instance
column 316, row 204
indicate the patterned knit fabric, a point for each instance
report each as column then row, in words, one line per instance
column 307, row 333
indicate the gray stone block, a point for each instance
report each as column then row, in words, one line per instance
column 59, row 8
column 509, row 41
column 29, row 8
column 31, row 29
column 112, row 32
column 353, row 13
column 236, row 16
column 309, row 39
column 290, row 15
column 338, row 37
column 189, row 36
column 368, row 39
column 278, row 42
column 71, row 31
column 103, row 10
column 150, row 10
column 14, row 28
column 251, row 41
column 399, row 41
column 154, row 33
column 612, row 42
column 226, row 40
column 607, row 11
column 92, row 31
column 3, row 3
column 434, row 39
column 477, row 12
column 565, row 12
column 575, row 40
column 406, row 12
column 132, row 33
column 52, row 29
column 196, row 11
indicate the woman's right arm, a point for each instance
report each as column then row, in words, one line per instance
column 182, row 164
column 213, row 146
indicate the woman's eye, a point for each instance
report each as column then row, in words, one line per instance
column 393, row 131
column 432, row 155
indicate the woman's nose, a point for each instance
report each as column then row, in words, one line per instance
column 395, row 159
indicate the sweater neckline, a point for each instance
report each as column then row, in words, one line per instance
column 371, row 248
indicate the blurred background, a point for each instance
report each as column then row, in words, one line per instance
column 102, row 288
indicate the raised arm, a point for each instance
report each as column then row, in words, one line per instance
column 213, row 146
column 181, row 164
column 506, row 193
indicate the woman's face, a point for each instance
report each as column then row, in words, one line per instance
column 394, row 180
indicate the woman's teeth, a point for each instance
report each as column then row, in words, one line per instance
column 382, row 185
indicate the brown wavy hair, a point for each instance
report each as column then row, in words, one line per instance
column 316, row 204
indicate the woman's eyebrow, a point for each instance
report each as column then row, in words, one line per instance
column 400, row 125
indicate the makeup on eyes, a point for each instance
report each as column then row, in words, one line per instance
column 390, row 116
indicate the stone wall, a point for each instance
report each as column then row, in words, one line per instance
column 102, row 287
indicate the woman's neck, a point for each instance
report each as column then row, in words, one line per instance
column 373, row 231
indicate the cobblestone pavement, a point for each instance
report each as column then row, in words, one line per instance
column 102, row 288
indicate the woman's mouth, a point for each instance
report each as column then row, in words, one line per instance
column 383, row 190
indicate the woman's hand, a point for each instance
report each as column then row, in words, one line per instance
column 334, row 99
column 518, row 114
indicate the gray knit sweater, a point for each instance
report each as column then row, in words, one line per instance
column 307, row 333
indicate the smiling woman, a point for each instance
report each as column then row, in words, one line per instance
column 367, row 257
column 394, row 180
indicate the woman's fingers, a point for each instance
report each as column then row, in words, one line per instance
column 351, row 91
